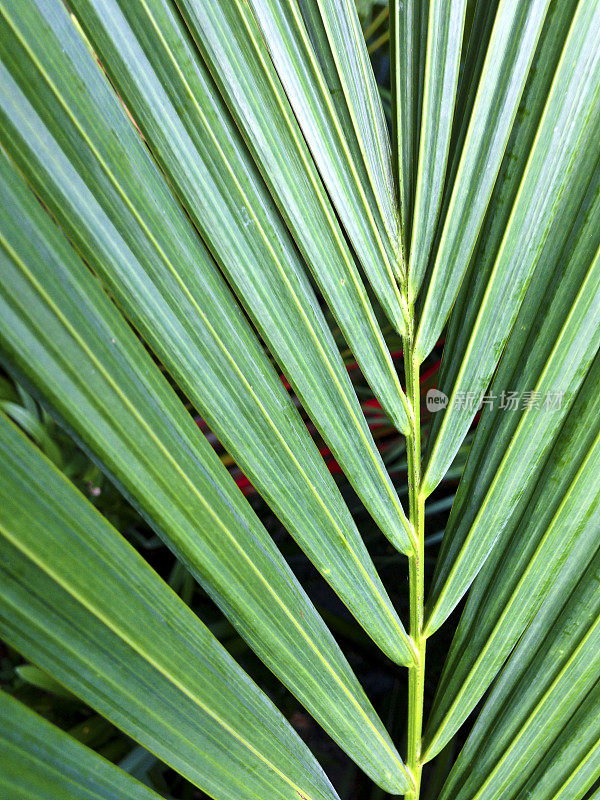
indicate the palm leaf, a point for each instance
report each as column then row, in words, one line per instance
column 39, row 760
column 67, row 94
column 566, row 130
column 200, row 203
column 544, row 685
column 116, row 649
column 123, row 411
column 345, row 177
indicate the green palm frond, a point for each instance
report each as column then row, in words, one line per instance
column 216, row 264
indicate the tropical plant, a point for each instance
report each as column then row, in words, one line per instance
column 194, row 194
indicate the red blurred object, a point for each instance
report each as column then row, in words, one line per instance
column 375, row 422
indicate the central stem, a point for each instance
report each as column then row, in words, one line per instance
column 416, row 565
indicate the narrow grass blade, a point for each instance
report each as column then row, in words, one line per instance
column 233, row 47
column 64, row 338
column 544, row 688
column 442, row 61
column 345, row 178
column 113, row 203
column 136, row 653
column 193, row 138
column 517, row 27
column 564, row 136
column 515, row 579
column 39, row 760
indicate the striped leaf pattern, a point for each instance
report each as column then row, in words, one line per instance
column 246, row 226
column 123, row 411
column 39, row 760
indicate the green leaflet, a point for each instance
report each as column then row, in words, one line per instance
column 543, row 359
column 479, row 23
column 189, row 131
column 98, row 179
column 29, row 420
column 533, row 100
column 515, row 578
column 517, row 26
column 138, row 762
column 542, row 689
column 136, row 653
column 338, row 44
column 232, row 45
column 39, row 760
column 572, row 765
column 349, row 51
column 564, row 347
column 37, row 677
column 347, row 181
column 63, row 335
column 442, row 60
column 321, row 50
column 408, row 39
column 564, row 134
